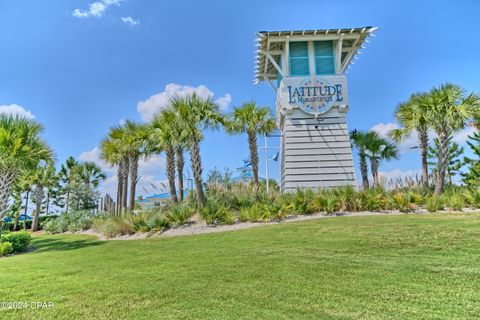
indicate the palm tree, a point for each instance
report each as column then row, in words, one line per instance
column 68, row 173
column 110, row 152
column 253, row 120
column 91, row 174
column 44, row 176
column 360, row 139
column 163, row 138
column 412, row 115
column 449, row 109
column 135, row 142
column 196, row 114
column 378, row 149
column 21, row 149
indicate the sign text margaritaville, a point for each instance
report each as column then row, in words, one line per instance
column 321, row 94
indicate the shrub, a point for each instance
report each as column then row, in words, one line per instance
column 327, row 201
column 158, row 222
column 113, row 226
column 19, row 240
column 179, row 214
column 347, row 198
column 473, row 197
column 302, row 201
column 253, row 213
column 70, row 221
column 139, row 222
column 371, row 200
column 403, row 202
column 216, row 213
column 6, row 248
column 455, row 202
column 434, row 203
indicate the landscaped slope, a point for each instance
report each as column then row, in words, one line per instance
column 396, row 267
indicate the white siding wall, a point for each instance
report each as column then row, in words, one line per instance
column 315, row 158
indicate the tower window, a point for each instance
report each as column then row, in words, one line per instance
column 324, row 59
column 298, row 52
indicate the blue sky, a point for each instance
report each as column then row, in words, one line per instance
column 81, row 71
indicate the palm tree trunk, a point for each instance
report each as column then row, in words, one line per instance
column 6, row 184
column 374, row 168
column 171, row 172
column 119, row 188
column 38, row 203
column 252, row 144
column 180, row 165
column 423, row 145
column 444, row 141
column 196, row 163
column 364, row 171
column 133, row 180
column 25, row 212
column 126, row 169
column 48, row 202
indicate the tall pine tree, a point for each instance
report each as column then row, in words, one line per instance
column 472, row 177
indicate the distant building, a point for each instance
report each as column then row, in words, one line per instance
column 155, row 200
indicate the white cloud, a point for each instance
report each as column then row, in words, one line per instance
column 95, row 9
column 148, row 170
column 224, row 102
column 462, row 135
column 130, row 21
column 159, row 101
column 384, row 129
column 14, row 109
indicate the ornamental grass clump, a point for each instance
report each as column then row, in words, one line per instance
column 434, row 203
column 372, row 200
column 179, row 214
column 473, row 197
column 215, row 212
column 455, row 202
column 348, row 199
column 403, row 201
column 113, row 226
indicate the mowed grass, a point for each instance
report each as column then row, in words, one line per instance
column 378, row 267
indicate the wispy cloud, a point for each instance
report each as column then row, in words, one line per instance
column 95, row 9
column 130, row 21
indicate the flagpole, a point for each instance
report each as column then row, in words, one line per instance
column 266, row 162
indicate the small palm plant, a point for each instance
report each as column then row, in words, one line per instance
column 253, row 120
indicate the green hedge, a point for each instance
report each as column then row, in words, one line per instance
column 19, row 240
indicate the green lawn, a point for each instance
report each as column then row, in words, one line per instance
column 384, row 267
